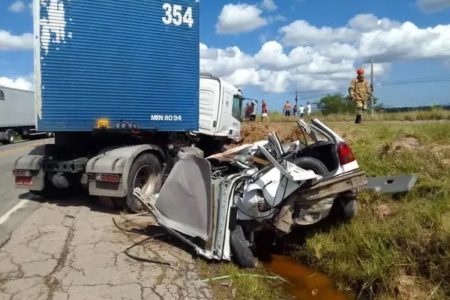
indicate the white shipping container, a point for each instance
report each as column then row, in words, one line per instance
column 17, row 108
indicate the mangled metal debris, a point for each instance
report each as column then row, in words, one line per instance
column 391, row 184
column 217, row 204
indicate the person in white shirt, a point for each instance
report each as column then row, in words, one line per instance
column 308, row 109
column 301, row 110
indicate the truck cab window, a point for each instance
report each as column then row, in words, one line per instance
column 2, row 95
column 237, row 107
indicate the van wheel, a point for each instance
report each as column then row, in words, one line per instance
column 10, row 136
column 145, row 173
column 242, row 254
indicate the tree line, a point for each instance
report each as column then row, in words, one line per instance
column 340, row 104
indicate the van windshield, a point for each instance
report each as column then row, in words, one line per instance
column 237, row 107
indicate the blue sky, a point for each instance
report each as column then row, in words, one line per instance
column 271, row 48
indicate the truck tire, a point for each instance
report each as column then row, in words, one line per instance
column 25, row 134
column 10, row 136
column 313, row 164
column 242, row 254
column 111, row 202
column 145, row 167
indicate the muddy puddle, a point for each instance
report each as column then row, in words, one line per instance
column 304, row 283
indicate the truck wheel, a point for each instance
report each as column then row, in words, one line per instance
column 146, row 168
column 313, row 164
column 111, row 202
column 25, row 134
column 242, row 254
column 10, row 136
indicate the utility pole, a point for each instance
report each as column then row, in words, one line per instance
column 371, row 86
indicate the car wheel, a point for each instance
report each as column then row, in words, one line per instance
column 145, row 171
column 311, row 163
column 242, row 254
column 349, row 208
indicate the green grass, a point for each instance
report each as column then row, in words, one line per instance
column 418, row 115
column 241, row 284
column 371, row 253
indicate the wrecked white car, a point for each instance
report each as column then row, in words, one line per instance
column 217, row 204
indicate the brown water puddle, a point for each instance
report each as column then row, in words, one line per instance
column 304, row 283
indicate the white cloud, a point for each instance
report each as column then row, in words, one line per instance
column 325, row 58
column 369, row 22
column 15, row 42
column 17, row 6
column 269, row 5
column 406, row 41
column 235, row 18
column 366, row 36
column 431, row 6
column 22, row 83
column 301, row 33
column 273, row 70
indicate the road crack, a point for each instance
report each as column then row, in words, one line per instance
column 51, row 282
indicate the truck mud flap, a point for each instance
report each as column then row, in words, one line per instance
column 391, row 184
column 28, row 172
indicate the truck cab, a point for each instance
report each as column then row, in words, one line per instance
column 220, row 104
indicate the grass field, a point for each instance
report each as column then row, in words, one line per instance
column 419, row 115
column 398, row 247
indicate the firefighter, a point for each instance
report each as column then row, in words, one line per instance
column 360, row 91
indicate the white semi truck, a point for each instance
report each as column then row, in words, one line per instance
column 17, row 114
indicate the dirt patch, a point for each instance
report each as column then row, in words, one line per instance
column 383, row 211
column 256, row 131
column 445, row 163
column 441, row 152
column 408, row 143
column 404, row 143
column 410, row 288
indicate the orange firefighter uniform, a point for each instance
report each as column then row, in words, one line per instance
column 360, row 92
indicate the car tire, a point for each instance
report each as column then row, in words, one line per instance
column 242, row 254
column 311, row 163
column 349, row 208
column 143, row 168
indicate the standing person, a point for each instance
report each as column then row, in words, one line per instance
column 247, row 111
column 287, row 110
column 264, row 111
column 253, row 107
column 360, row 91
column 295, row 110
column 302, row 110
column 308, row 109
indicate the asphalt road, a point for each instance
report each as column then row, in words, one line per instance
column 71, row 249
column 15, row 204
